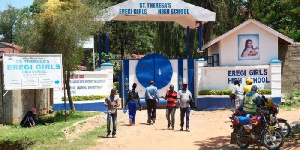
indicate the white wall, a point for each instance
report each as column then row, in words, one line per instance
column 268, row 47
column 216, row 78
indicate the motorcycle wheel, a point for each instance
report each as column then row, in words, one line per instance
column 241, row 141
column 285, row 127
column 272, row 140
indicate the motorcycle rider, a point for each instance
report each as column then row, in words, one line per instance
column 247, row 87
column 252, row 100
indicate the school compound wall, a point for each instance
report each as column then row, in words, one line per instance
column 291, row 70
column 221, row 78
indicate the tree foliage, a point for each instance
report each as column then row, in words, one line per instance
column 8, row 23
column 60, row 27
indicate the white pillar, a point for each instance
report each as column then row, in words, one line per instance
column 275, row 67
column 109, row 69
column 200, row 63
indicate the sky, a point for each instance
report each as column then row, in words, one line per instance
column 16, row 3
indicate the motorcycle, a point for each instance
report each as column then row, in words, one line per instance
column 279, row 122
column 256, row 130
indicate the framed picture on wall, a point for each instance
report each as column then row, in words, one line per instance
column 248, row 47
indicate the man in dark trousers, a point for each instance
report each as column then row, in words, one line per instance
column 151, row 95
column 171, row 97
column 112, row 102
column 185, row 98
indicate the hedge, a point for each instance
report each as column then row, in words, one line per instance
column 85, row 98
column 228, row 92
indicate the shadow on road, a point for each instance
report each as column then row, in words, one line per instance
column 291, row 145
column 221, row 142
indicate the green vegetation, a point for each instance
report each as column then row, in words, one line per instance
column 265, row 91
column 45, row 137
column 85, row 98
column 214, row 92
column 116, row 85
column 86, row 140
column 228, row 92
column 292, row 100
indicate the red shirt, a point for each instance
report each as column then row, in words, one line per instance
column 171, row 98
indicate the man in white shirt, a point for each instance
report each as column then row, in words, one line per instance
column 185, row 97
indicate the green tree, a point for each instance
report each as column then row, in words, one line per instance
column 281, row 15
column 8, row 20
column 60, row 27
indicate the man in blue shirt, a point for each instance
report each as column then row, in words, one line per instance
column 151, row 95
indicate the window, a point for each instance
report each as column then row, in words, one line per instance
column 213, row 60
column 210, row 61
column 216, row 59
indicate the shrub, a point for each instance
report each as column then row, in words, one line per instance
column 84, row 98
column 288, row 96
column 214, row 92
column 227, row 92
column 265, row 91
column 116, row 85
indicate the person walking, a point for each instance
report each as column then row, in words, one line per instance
column 185, row 97
column 237, row 95
column 171, row 97
column 151, row 95
column 132, row 100
column 112, row 102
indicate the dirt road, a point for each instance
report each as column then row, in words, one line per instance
column 209, row 130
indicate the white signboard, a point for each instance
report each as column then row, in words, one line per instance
column 84, row 83
column 32, row 71
column 222, row 78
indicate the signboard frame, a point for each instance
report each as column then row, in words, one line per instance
column 32, row 71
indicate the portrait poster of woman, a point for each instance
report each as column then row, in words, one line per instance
column 248, row 47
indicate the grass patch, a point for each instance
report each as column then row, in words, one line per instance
column 86, row 140
column 289, row 107
column 41, row 135
column 292, row 100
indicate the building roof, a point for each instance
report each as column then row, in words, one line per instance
column 265, row 27
column 9, row 48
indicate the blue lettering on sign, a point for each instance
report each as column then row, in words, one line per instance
column 252, row 72
column 163, row 11
column 19, row 67
column 159, row 5
column 47, row 66
column 140, row 11
column 258, row 72
column 142, row 5
column 260, row 80
column 265, row 71
column 35, row 61
column 236, row 72
column 125, row 11
column 179, row 11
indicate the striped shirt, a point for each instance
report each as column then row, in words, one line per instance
column 171, row 98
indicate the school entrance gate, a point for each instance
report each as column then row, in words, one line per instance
column 157, row 68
